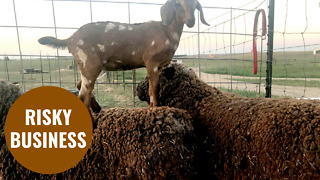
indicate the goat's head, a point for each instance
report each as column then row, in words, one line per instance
column 183, row 10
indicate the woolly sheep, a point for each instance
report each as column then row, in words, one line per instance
column 244, row 137
column 8, row 94
column 127, row 144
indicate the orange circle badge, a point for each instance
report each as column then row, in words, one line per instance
column 48, row 130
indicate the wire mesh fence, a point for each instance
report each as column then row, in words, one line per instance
column 224, row 51
column 228, row 56
column 221, row 54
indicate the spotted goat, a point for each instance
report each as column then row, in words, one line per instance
column 113, row 46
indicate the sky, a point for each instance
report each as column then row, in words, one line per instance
column 291, row 17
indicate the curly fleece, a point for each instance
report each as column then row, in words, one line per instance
column 244, row 137
column 127, row 144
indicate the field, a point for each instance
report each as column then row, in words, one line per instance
column 113, row 90
column 285, row 65
column 295, row 74
column 290, row 69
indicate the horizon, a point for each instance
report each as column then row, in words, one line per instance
column 38, row 13
column 177, row 56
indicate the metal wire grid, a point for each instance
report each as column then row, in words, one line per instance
column 190, row 46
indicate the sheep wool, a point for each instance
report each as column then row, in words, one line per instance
column 245, row 137
column 9, row 93
column 128, row 144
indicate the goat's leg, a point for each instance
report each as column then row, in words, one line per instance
column 87, row 82
column 153, row 85
column 150, row 93
column 89, row 65
column 93, row 103
column 79, row 85
column 85, row 91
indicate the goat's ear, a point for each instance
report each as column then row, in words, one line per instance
column 169, row 72
column 167, row 12
column 199, row 7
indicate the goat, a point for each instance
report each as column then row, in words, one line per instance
column 115, row 46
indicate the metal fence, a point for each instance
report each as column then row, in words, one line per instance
column 220, row 54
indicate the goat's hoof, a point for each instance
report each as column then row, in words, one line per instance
column 96, row 109
column 153, row 108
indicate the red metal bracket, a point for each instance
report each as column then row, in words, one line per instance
column 255, row 33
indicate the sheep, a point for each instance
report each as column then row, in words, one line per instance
column 118, row 46
column 139, row 143
column 9, row 93
column 245, row 137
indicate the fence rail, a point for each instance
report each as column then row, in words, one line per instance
column 220, row 55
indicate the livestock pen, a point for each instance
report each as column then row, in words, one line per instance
column 213, row 133
column 220, row 54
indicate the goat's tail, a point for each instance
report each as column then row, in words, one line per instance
column 53, row 42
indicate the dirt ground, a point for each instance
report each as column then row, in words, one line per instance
column 278, row 90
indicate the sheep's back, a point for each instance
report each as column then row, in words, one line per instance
column 139, row 143
column 263, row 138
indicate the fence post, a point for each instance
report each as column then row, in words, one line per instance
column 231, row 56
column 56, row 36
column 91, row 10
column 20, row 52
column 41, row 67
column 49, row 63
column 74, row 73
column 133, row 71
column 199, row 48
column 123, row 80
column 31, row 66
column 270, row 48
column 6, row 67
column 97, row 80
